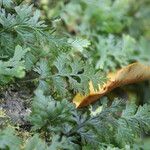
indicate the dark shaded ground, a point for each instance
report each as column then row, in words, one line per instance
column 15, row 102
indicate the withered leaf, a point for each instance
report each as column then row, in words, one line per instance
column 132, row 73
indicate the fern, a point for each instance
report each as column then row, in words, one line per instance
column 105, row 127
column 57, row 59
column 113, row 52
column 35, row 143
column 69, row 73
column 8, row 139
column 100, row 21
column 49, row 111
column 78, row 73
column 132, row 123
column 22, row 26
column 69, row 126
column 14, row 67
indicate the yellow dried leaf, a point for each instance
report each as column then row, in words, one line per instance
column 132, row 73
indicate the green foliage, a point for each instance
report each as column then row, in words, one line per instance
column 77, row 42
column 8, row 139
column 22, row 27
column 60, row 144
column 69, row 73
column 47, row 111
column 78, row 73
column 35, row 143
column 72, row 129
column 14, row 67
column 106, row 126
column 132, row 122
column 106, row 25
column 113, row 52
column 103, row 15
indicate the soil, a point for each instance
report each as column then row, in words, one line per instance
column 14, row 101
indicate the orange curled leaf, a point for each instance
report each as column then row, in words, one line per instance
column 132, row 73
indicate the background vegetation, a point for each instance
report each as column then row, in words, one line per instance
column 49, row 51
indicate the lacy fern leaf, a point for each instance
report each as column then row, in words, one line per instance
column 8, row 139
column 14, row 67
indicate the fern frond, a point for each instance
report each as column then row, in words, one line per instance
column 14, row 67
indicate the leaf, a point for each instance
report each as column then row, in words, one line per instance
column 8, row 139
column 6, row 3
column 42, row 68
column 132, row 73
column 35, row 143
column 132, row 123
column 57, row 144
column 79, row 44
column 48, row 112
column 77, row 73
column 60, row 85
column 113, row 52
column 14, row 67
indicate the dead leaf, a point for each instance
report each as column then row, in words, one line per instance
column 132, row 73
